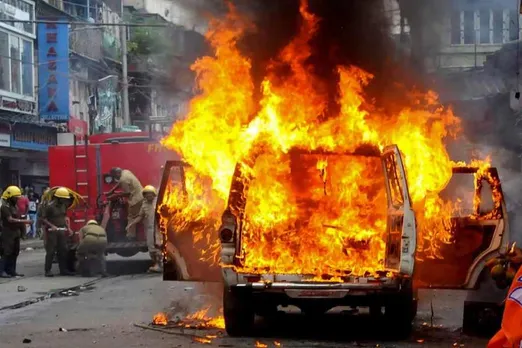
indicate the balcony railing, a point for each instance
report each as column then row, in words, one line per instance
column 85, row 40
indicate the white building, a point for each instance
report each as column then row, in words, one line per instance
column 467, row 34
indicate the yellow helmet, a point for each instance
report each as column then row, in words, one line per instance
column 92, row 222
column 62, row 192
column 149, row 189
column 11, row 191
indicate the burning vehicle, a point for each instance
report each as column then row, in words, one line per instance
column 287, row 201
column 335, row 249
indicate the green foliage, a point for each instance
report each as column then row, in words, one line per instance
column 149, row 41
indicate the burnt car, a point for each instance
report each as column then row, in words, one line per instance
column 476, row 234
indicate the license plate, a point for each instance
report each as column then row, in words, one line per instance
column 316, row 293
column 116, row 215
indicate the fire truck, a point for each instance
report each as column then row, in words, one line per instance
column 83, row 164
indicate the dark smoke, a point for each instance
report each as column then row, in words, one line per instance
column 350, row 33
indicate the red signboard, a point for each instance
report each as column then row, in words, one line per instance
column 77, row 127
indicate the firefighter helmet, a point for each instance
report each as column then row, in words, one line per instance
column 92, row 222
column 11, row 191
column 62, row 192
column 149, row 189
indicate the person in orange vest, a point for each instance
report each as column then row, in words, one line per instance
column 510, row 333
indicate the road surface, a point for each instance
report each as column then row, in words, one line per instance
column 103, row 313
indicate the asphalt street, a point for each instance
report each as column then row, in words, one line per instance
column 91, row 312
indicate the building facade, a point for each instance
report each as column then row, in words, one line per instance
column 466, row 33
column 23, row 137
column 94, row 64
column 161, row 80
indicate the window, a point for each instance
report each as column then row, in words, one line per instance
column 27, row 68
column 16, row 64
column 484, row 17
column 14, row 44
column 5, row 76
column 469, row 27
column 513, row 25
column 498, row 26
column 18, row 10
column 455, row 28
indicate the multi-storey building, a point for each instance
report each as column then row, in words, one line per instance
column 162, row 82
column 94, row 62
column 23, row 138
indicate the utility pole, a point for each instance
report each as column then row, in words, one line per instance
column 125, row 79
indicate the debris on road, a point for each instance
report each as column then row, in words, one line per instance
column 21, row 288
column 174, row 330
column 62, row 329
column 26, row 340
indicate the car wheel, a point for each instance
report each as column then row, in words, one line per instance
column 399, row 316
column 170, row 271
column 238, row 312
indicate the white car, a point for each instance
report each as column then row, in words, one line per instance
column 248, row 294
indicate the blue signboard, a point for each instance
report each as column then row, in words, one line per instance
column 31, row 137
column 53, row 71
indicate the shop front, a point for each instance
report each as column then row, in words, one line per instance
column 25, row 161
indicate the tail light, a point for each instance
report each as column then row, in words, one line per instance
column 228, row 227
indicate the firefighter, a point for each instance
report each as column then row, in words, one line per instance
column 92, row 247
column 146, row 214
column 12, row 228
column 55, row 221
column 132, row 189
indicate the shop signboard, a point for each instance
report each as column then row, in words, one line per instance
column 5, row 140
column 53, row 72
column 78, row 128
column 17, row 105
column 32, row 137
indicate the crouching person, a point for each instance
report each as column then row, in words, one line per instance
column 91, row 250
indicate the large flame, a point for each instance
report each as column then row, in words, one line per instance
column 306, row 213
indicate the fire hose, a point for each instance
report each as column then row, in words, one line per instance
column 76, row 198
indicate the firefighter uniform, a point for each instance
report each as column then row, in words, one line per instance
column 148, row 210
column 146, row 216
column 92, row 248
column 55, row 213
column 11, row 232
column 129, row 183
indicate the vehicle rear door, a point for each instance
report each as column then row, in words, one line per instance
column 187, row 234
column 401, row 226
column 478, row 230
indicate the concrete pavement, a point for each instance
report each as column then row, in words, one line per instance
column 103, row 313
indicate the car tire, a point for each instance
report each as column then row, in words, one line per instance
column 238, row 312
column 170, row 271
column 399, row 315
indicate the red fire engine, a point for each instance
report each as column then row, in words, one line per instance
column 84, row 167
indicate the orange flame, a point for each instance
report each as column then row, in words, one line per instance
column 201, row 319
column 160, row 319
column 320, row 213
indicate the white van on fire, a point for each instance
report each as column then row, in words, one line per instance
column 476, row 233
